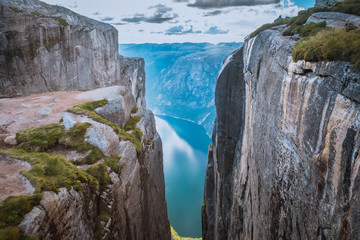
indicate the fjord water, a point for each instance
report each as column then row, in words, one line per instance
column 185, row 146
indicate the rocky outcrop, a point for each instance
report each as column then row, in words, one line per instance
column 323, row 3
column 182, row 77
column 49, row 48
column 285, row 157
column 46, row 48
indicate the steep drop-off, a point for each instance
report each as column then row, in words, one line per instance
column 285, row 157
column 98, row 173
column 181, row 77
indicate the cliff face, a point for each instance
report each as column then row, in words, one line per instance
column 46, row 48
column 285, row 157
column 50, row 48
column 322, row 3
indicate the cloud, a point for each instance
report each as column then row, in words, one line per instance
column 229, row 3
column 216, row 30
column 96, row 13
column 181, row 30
column 161, row 14
column 118, row 24
column 213, row 13
column 107, row 19
column 160, row 8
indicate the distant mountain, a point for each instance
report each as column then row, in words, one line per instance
column 181, row 77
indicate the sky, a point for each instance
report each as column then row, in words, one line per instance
column 166, row 21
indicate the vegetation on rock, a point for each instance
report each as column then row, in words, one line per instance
column 60, row 20
column 47, row 137
column 16, row 10
column 295, row 25
column 176, row 236
column 321, row 43
column 330, row 45
column 88, row 109
column 12, row 211
column 49, row 173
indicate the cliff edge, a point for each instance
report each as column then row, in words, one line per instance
column 285, row 159
column 79, row 153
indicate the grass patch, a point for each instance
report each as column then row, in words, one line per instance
column 47, row 137
column 176, row 236
column 295, row 24
column 150, row 141
column 268, row 26
column 99, row 172
column 310, row 29
column 134, row 110
column 330, row 45
column 17, row 10
column 112, row 162
column 204, row 220
column 40, row 139
column 13, row 210
column 60, row 20
column 347, row 6
column 131, row 123
column 49, row 173
column 104, row 216
column 88, row 109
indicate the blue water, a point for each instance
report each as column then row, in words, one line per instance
column 185, row 146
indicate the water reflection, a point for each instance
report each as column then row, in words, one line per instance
column 185, row 156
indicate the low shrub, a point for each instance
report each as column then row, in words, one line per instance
column 49, row 173
column 330, row 45
column 295, row 23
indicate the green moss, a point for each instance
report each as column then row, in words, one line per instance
column 49, row 173
column 13, row 209
column 113, row 162
column 347, row 6
column 47, row 137
column 134, row 110
column 40, row 139
column 330, row 45
column 131, row 123
column 204, row 219
column 176, row 236
column 10, row 233
column 268, row 26
column 150, row 141
column 310, row 29
column 37, row 14
column 17, row 10
column 88, row 109
column 60, row 20
column 104, row 216
column 99, row 173
column 295, row 23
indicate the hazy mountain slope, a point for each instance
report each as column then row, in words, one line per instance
column 181, row 77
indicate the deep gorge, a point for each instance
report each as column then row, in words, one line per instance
column 81, row 156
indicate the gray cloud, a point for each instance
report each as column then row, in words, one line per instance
column 96, row 13
column 160, row 8
column 179, row 30
column 229, row 3
column 161, row 14
column 213, row 13
column 216, row 30
column 107, row 19
column 118, row 23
